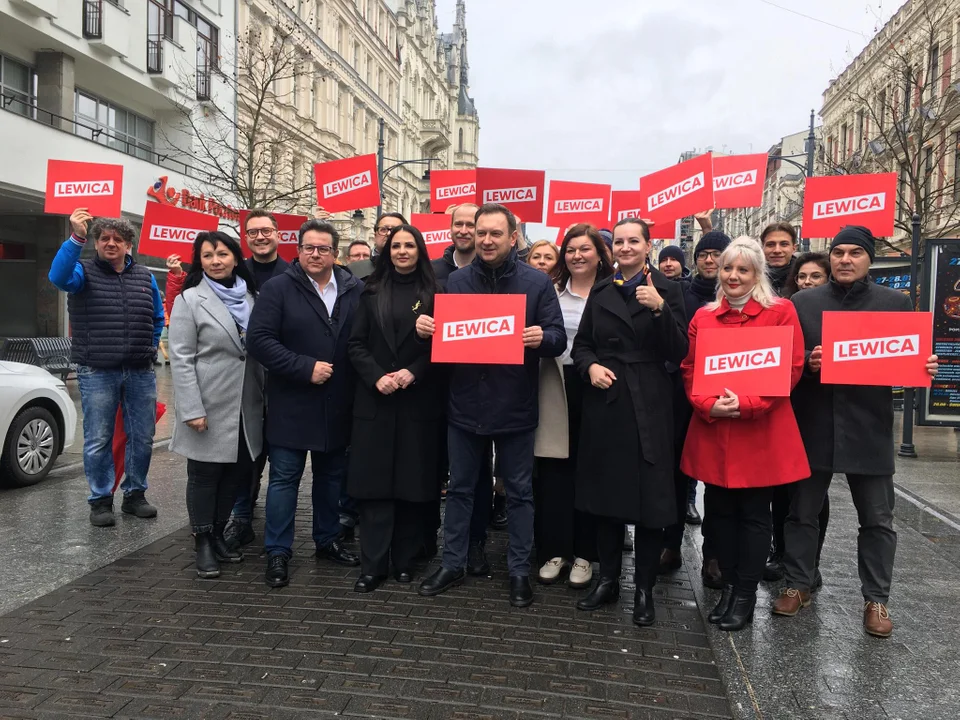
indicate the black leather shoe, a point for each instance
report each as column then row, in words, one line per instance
column 521, row 591
column 336, row 552
column 347, row 533
column 710, row 574
column 605, row 592
column 403, row 577
column 207, row 565
column 441, row 581
column 643, row 612
column 726, row 597
column 276, row 575
column 739, row 613
column 693, row 517
column 224, row 552
column 773, row 570
column 368, row 583
column 477, row 560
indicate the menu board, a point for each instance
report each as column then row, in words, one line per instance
column 941, row 403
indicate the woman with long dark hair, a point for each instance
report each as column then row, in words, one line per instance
column 219, row 391
column 809, row 270
column 397, row 409
column 565, row 537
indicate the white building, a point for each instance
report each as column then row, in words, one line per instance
column 96, row 81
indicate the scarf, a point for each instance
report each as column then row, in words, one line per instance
column 628, row 288
column 704, row 289
column 778, row 276
column 234, row 299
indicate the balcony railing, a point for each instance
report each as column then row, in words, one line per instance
column 93, row 19
column 159, row 26
column 203, row 68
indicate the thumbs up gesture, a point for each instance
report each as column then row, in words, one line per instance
column 648, row 296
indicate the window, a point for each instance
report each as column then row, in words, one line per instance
column 390, row 93
column 927, row 176
column 861, row 129
column 933, row 79
column 369, row 70
column 379, row 83
column 17, row 84
column 313, row 99
column 101, row 121
column 356, row 57
column 460, row 141
column 296, row 88
column 341, row 40
column 907, row 88
column 844, row 131
column 881, row 112
column 956, row 166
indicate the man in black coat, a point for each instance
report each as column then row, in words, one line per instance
column 463, row 230
column 498, row 401
column 298, row 331
column 846, row 429
column 779, row 243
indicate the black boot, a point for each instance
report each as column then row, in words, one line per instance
column 239, row 533
column 605, row 592
column 222, row 549
column 643, row 612
column 477, row 564
column 721, row 609
column 207, row 565
column 740, row 611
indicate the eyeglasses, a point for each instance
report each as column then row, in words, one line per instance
column 316, row 249
column 709, row 255
column 384, row 230
column 266, row 232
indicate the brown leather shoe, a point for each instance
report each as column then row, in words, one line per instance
column 876, row 619
column 710, row 574
column 790, row 602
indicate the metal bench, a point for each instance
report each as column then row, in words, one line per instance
column 50, row 353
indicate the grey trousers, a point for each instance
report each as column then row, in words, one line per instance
column 873, row 497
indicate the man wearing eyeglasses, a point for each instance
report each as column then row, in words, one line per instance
column 385, row 223
column 262, row 239
column 298, row 331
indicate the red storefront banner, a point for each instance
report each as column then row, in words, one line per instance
column 738, row 180
column 452, row 187
column 98, row 187
column 574, row 202
column 877, row 348
column 479, row 329
column 521, row 191
column 348, row 184
column 679, row 190
column 288, row 232
column 169, row 230
column 747, row 361
column 831, row 203
column 436, row 232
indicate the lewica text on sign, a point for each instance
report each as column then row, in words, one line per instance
column 830, row 203
column 95, row 186
column 741, row 361
column 479, row 329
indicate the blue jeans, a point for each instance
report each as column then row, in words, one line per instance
column 286, row 470
column 101, row 392
column 467, row 450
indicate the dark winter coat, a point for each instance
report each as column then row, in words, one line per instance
column 845, row 428
column 444, row 267
column 289, row 332
column 395, row 443
column 626, row 453
column 495, row 399
column 697, row 293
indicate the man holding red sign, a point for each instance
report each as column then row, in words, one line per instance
column 498, row 401
column 846, row 429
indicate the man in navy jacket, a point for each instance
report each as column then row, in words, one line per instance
column 298, row 331
column 498, row 401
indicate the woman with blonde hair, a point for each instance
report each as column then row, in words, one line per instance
column 545, row 257
column 742, row 446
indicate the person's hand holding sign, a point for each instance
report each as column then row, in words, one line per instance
column 601, row 377
column 933, row 365
column 532, row 337
column 648, row 296
column 321, row 372
column 727, row 406
column 78, row 221
column 426, row 327
column 815, row 361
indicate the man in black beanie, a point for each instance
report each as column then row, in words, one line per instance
column 846, row 429
column 673, row 264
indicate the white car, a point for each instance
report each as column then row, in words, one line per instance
column 37, row 422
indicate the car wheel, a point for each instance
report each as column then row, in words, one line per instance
column 30, row 448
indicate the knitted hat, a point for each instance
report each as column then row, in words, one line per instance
column 713, row 240
column 607, row 237
column 672, row 251
column 856, row 235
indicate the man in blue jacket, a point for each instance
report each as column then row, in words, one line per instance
column 298, row 331
column 498, row 401
column 116, row 317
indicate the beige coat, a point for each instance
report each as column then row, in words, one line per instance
column 552, row 436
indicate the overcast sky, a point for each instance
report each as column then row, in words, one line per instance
column 609, row 90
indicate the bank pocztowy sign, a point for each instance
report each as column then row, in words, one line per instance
column 162, row 192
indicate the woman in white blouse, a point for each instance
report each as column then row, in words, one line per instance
column 565, row 538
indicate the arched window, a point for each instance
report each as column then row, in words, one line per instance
column 460, row 141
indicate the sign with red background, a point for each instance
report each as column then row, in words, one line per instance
column 754, row 361
column 95, row 186
column 348, row 184
column 288, row 230
column 436, row 232
column 521, row 191
column 877, row 348
column 831, row 203
column 630, row 203
column 738, row 180
column 452, row 187
column 679, row 190
column 169, row 230
column 479, row 329
column 574, row 202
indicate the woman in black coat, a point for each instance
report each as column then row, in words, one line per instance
column 396, row 412
column 632, row 324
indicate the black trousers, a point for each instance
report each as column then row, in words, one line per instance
column 673, row 535
column 780, row 508
column 740, row 529
column 389, row 530
column 212, row 488
column 646, row 551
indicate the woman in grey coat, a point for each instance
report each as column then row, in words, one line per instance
column 218, row 389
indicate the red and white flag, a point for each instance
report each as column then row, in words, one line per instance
column 738, row 180
column 169, row 230
column 435, row 228
column 679, row 190
column 520, row 191
column 452, row 187
column 574, row 202
column 95, row 186
column 831, row 203
column 348, row 184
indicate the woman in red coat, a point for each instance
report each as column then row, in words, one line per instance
column 742, row 446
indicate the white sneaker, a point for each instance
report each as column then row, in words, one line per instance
column 550, row 572
column 581, row 573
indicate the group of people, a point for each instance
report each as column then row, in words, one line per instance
column 597, row 429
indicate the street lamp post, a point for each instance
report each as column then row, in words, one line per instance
column 807, row 169
column 907, row 448
column 382, row 172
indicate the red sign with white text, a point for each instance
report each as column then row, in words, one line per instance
column 479, row 329
column 521, row 191
column 452, row 187
column 738, row 180
column 348, row 184
column 877, row 348
column 678, row 191
column 288, row 232
column 575, row 202
column 831, row 203
column 436, row 232
column 754, row 361
column 630, row 204
column 169, row 230
column 95, row 186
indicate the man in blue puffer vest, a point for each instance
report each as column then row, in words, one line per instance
column 116, row 317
